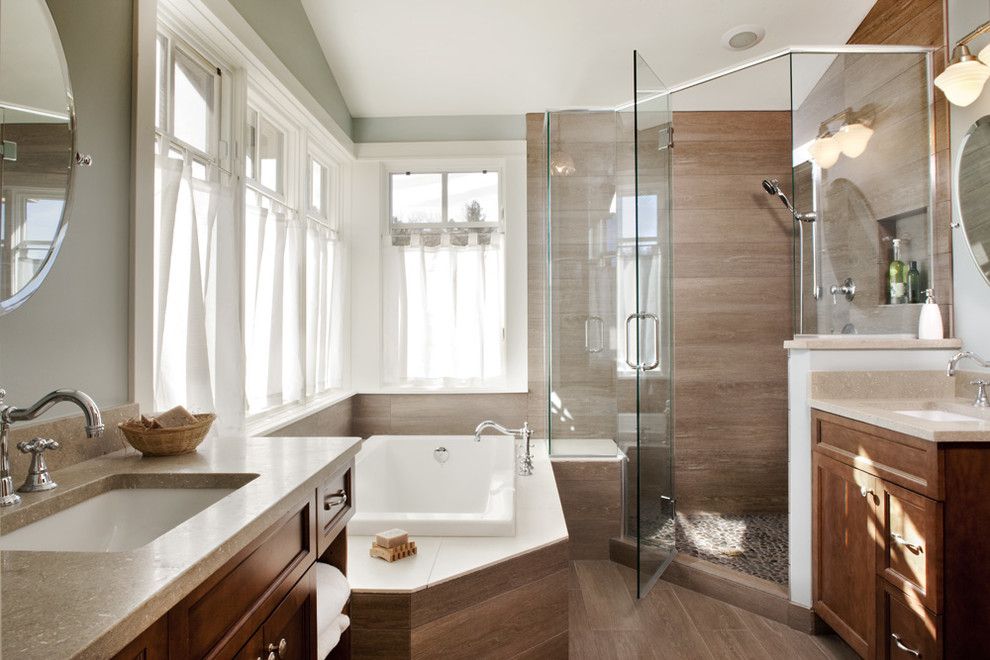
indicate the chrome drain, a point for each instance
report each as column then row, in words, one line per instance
column 440, row 455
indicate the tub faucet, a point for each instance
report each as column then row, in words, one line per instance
column 10, row 414
column 981, row 385
column 524, row 464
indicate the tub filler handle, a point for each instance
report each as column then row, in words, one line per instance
column 333, row 500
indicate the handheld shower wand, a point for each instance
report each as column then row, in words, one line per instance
column 772, row 186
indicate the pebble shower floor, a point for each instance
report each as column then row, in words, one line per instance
column 754, row 544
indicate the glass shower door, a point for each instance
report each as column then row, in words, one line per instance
column 649, row 326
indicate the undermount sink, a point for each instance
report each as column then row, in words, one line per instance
column 935, row 415
column 123, row 516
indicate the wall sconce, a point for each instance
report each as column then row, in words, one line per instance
column 849, row 139
column 963, row 80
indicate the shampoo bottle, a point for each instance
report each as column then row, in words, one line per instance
column 930, row 321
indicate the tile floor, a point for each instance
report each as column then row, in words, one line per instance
column 673, row 623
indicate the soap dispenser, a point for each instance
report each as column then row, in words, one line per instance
column 930, row 321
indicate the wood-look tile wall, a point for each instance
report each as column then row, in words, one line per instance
column 924, row 23
column 732, row 310
column 365, row 415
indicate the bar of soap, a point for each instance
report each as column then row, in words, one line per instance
column 391, row 538
column 177, row 416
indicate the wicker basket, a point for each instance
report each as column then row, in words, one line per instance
column 169, row 441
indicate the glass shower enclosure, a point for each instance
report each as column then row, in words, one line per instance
column 609, row 320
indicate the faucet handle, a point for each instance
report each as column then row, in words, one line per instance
column 37, row 445
column 981, row 393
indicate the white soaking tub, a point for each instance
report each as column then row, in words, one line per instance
column 400, row 481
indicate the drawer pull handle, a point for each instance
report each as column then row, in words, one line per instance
column 865, row 492
column 281, row 648
column 334, row 500
column 901, row 541
column 902, row 646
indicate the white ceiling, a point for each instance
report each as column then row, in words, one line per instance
column 499, row 57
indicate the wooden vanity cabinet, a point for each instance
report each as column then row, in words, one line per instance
column 847, row 513
column 899, row 540
column 264, row 598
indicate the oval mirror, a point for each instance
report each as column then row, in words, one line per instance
column 36, row 148
column 973, row 191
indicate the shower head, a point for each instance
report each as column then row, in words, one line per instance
column 772, row 186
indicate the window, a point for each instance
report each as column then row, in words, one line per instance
column 646, row 265
column 292, row 266
column 249, row 298
column 444, row 281
column 193, row 222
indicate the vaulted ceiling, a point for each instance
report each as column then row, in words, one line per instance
column 498, row 57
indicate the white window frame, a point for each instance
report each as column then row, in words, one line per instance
column 510, row 382
column 247, row 62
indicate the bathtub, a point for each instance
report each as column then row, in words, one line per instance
column 400, row 481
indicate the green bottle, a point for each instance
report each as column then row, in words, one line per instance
column 897, row 276
column 914, row 283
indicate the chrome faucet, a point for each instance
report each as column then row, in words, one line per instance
column 524, row 464
column 10, row 414
column 981, row 385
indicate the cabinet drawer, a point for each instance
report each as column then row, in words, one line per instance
column 911, row 544
column 908, row 631
column 220, row 615
column 335, row 506
column 909, row 462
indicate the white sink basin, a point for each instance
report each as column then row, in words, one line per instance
column 933, row 415
column 117, row 520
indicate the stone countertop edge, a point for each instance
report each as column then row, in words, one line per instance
column 882, row 413
column 864, row 343
column 86, row 604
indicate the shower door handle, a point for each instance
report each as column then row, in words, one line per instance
column 588, row 322
column 656, row 341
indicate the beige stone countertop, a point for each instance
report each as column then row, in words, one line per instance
column 86, row 604
column 868, row 343
column 885, row 414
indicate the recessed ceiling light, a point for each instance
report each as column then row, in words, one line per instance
column 742, row 37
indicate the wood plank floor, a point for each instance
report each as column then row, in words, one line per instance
column 674, row 623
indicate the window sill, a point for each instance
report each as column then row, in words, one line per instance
column 277, row 418
column 446, row 390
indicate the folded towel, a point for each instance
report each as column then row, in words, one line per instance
column 329, row 637
column 332, row 592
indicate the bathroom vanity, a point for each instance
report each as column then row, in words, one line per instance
column 900, row 510
column 236, row 579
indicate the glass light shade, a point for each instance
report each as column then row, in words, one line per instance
column 984, row 55
column 963, row 82
column 853, row 138
column 825, row 151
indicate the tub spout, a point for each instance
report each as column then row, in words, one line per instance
column 524, row 464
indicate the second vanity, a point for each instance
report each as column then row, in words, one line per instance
column 901, row 508
column 236, row 579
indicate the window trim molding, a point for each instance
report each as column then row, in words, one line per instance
column 371, row 224
column 215, row 30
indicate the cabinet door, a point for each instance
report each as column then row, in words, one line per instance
column 847, row 513
column 290, row 632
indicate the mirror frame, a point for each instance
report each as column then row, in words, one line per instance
column 956, row 174
column 21, row 295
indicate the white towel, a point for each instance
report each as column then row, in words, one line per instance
column 332, row 592
column 329, row 637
